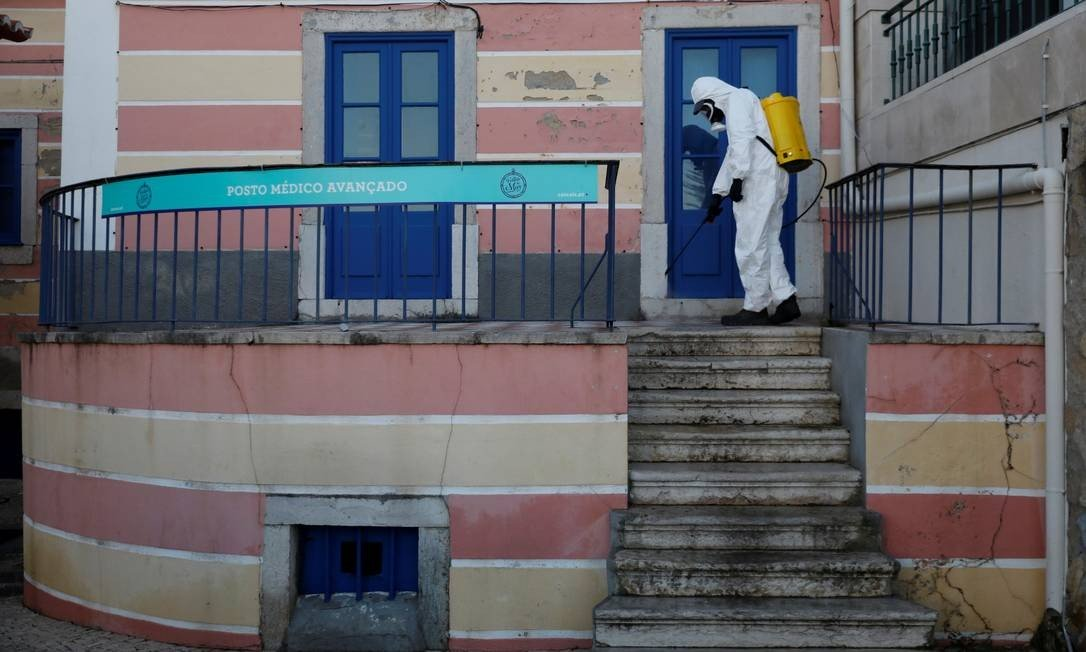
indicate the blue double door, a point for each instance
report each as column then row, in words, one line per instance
column 762, row 60
column 388, row 99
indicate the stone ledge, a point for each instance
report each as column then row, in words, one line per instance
column 904, row 334
column 471, row 333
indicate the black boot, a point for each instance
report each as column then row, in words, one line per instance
column 746, row 318
column 786, row 312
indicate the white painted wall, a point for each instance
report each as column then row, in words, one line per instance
column 91, row 40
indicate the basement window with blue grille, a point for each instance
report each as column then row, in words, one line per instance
column 359, row 560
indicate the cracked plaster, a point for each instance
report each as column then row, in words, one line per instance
column 933, row 581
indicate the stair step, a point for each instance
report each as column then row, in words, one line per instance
column 724, row 443
column 750, row 528
column 808, row 483
column 737, row 649
column 754, row 574
column 780, row 340
column 734, row 406
column 729, row 372
column 637, row 621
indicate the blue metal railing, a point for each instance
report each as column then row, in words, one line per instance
column 931, row 37
column 923, row 244
column 269, row 262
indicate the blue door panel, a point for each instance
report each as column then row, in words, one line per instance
column 389, row 99
column 760, row 59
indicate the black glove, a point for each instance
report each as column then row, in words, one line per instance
column 716, row 207
column 736, row 191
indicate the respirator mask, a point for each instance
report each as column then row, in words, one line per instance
column 713, row 114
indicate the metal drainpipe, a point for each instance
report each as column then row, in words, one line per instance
column 847, row 81
column 1051, row 182
column 1044, row 104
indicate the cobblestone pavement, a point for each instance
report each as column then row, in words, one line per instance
column 22, row 630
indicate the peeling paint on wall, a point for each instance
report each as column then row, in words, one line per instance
column 559, row 80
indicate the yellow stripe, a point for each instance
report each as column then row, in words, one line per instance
column 979, row 599
column 831, row 86
column 628, row 188
column 539, row 78
column 833, row 166
column 960, row 454
column 136, row 164
column 163, row 587
column 18, row 93
column 19, row 297
column 314, row 453
column 48, row 25
column 524, row 598
column 210, row 78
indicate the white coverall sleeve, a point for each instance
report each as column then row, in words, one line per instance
column 739, row 158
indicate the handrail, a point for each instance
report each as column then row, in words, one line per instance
column 272, row 244
column 908, row 245
column 930, row 37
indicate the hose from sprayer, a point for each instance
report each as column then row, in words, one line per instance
column 818, row 195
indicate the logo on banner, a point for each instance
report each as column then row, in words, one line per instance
column 513, row 184
column 143, row 196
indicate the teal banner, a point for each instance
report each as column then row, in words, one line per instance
column 504, row 183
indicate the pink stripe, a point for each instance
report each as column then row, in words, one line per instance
column 144, row 515
column 567, row 231
column 532, row 527
column 37, row 4
column 519, row 27
column 831, row 125
column 226, row 234
column 45, row 185
column 333, row 379
column 963, row 379
column 831, row 22
column 157, row 128
column 53, row 607
column 517, row 644
column 49, row 127
column 265, row 28
column 29, row 52
column 605, row 129
column 925, row 526
column 11, row 326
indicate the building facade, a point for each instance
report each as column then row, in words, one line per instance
column 253, row 463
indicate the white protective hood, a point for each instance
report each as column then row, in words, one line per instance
column 745, row 120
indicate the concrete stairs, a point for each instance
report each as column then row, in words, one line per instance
column 746, row 527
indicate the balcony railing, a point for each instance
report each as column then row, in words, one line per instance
column 273, row 245
column 930, row 37
column 934, row 244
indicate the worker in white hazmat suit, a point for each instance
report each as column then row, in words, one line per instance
column 758, row 187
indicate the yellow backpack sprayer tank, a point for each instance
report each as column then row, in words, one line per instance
column 782, row 114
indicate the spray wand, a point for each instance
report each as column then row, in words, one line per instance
column 818, row 195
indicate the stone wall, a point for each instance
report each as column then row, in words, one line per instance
column 1074, row 323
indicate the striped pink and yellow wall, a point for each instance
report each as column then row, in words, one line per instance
column 955, row 465
column 31, row 80
column 146, row 468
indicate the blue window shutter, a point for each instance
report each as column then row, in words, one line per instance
column 10, row 186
